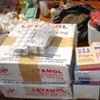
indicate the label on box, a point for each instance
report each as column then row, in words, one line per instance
column 87, row 76
column 86, row 59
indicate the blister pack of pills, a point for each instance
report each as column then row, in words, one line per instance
column 42, row 39
column 34, row 40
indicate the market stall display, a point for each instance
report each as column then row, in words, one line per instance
column 40, row 59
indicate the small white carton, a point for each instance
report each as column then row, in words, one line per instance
column 86, row 91
column 52, row 67
column 36, row 91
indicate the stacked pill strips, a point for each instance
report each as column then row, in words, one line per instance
column 34, row 41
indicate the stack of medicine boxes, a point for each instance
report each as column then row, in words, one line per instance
column 35, row 76
column 87, row 72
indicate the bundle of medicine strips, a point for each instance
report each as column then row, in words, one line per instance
column 34, row 40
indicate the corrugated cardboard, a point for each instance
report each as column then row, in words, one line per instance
column 52, row 67
column 36, row 91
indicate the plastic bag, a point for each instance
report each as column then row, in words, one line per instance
column 82, row 26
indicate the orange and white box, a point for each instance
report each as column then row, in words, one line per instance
column 52, row 67
column 36, row 91
column 87, row 64
column 86, row 91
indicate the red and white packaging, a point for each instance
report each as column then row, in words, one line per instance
column 36, row 91
column 52, row 67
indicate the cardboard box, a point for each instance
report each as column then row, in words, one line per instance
column 52, row 67
column 87, row 68
column 2, row 38
column 86, row 91
column 36, row 91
